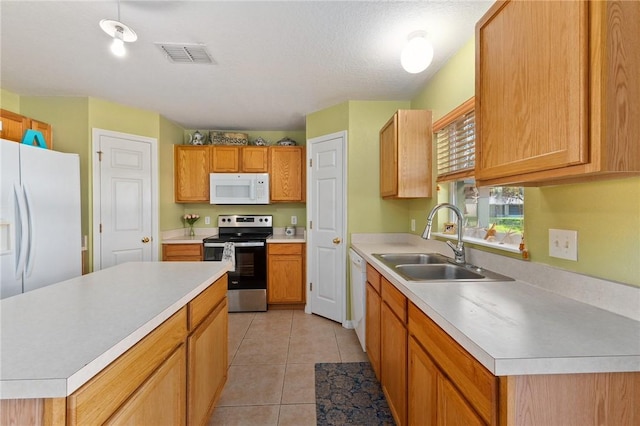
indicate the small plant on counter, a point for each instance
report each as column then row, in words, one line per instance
column 190, row 219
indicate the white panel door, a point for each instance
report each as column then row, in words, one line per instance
column 326, row 249
column 126, row 219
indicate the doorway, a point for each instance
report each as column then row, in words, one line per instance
column 125, row 198
column 327, row 211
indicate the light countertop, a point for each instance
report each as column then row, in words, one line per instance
column 513, row 327
column 56, row 338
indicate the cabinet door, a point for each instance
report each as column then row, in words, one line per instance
column 207, row 364
column 225, row 159
column 394, row 363
column 389, row 158
column 45, row 129
column 372, row 328
column 255, row 159
column 191, row 174
column 285, row 281
column 422, row 387
column 405, row 155
column 532, row 93
column 152, row 403
column 453, row 409
column 13, row 125
column 287, row 174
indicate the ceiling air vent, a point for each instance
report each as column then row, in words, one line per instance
column 186, row 53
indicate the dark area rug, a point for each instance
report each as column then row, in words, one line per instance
column 350, row 394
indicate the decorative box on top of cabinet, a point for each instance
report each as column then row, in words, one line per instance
column 556, row 92
column 405, row 155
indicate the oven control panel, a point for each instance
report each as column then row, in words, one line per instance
column 234, row 220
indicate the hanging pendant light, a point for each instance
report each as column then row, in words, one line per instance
column 417, row 54
column 120, row 33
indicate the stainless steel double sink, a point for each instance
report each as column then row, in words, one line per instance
column 435, row 267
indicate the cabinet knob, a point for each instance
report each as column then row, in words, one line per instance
column 145, row 240
column 337, row 240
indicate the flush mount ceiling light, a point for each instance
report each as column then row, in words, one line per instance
column 417, row 54
column 120, row 33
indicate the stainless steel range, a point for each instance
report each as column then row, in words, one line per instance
column 248, row 283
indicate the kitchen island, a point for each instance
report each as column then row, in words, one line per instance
column 510, row 352
column 108, row 335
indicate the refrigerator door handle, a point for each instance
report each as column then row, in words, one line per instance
column 21, row 228
column 31, row 232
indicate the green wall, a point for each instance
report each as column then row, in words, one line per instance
column 9, row 101
column 170, row 212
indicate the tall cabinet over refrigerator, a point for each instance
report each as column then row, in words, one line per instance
column 40, row 235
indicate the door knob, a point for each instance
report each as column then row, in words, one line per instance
column 336, row 240
column 145, row 240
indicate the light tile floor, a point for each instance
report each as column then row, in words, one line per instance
column 272, row 355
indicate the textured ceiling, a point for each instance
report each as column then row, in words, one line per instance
column 274, row 62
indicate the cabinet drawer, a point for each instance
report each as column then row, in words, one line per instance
column 474, row 381
column 97, row 399
column 206, row 301
column 395, row 299
column 277, row 248
column 373, row 278
column 188, row 252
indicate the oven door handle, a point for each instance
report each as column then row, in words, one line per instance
column 244, row 244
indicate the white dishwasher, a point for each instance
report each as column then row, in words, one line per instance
column 358, row 294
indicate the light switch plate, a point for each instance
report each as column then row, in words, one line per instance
column 563, row 244
column 207, row 220
column 294, row 220
column 413, row 224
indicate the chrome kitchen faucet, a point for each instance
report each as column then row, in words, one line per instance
column 457, row 249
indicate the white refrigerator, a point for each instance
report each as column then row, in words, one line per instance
column 40, row 234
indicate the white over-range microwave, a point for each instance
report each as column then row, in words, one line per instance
column 239, row 188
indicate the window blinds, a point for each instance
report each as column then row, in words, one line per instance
column 456, row 148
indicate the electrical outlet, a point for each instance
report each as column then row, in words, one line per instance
column 413, row 224
column 294, row 220
column 563, row 244
column 207, row 220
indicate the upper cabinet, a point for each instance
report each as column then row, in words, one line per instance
column 287, row 174
column 247, row 159
column 225, row 159
column 191, row 173
column 255, row 159
column 405, row 155
column 14, row 125
column 556, row 93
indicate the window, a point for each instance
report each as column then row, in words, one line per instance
column 494, row 216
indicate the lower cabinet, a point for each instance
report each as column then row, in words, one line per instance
column 285, row 273
column 393, row 352
column 372, row 318
column 174, row 376
column 182, row 252
column 447, row 386
column 148, row 405
column 208, row 364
